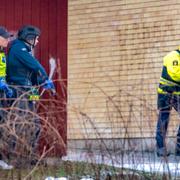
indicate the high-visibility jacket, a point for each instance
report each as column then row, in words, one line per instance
column 170, row 77
column 2, row 65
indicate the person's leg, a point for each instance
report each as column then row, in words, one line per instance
column 36, row 134
column 162, row 123
column 15, row 119
column 1, row 141
column 176, row 105
column 35, row 129
column 2, row 125
column 27, row 129
column 4, row 132
column 177, row 150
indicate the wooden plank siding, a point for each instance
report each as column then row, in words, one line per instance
column 51, row 17
column 115, row 56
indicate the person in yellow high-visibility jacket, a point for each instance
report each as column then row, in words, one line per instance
column 168, row 98
column 5, row 91
column 4, row 40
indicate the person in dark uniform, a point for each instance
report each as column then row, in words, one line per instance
column 23, row 72
column 168, row 98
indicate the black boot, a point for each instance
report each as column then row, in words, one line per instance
column 1, row 156
column 177, row 151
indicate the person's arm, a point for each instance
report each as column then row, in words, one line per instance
column 30, row 62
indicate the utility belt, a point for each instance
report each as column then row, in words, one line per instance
column 166, row 87
column 34, row 94
column 2, row 78
column 161, row 91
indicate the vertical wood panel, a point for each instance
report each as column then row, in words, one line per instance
column 35, row 15
column 10, row 12
column 62, row 36
column 62, row 55
column 27, row 11
column 52, row 28
column 44, row 20
column 18, row 15
column 2, row 11
column 50, row 16
column 36, row 21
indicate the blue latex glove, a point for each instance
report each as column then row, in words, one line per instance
column 9, row 92
column 4, row 87
column 2, row 84
column 49, row 85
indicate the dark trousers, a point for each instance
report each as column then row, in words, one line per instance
column 165, row 103
column 26, row 123
column 3, row 128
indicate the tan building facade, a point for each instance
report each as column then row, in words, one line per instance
column 115, row 51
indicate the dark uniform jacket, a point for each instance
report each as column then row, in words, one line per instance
column 22, row 67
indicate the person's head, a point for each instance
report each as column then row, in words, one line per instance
column 4, row 37
column 29, row 34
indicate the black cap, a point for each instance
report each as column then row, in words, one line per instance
column 4, row 33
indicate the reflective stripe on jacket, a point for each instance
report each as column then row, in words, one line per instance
column 2, row 64
column 170, row 78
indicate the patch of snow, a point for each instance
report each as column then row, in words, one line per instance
column 136, row 162
column 52, row 178
column 5, row 166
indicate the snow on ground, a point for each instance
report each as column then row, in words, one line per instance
column 147, row 162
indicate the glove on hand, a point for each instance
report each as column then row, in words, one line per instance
column 4, row 87
column 2, row 84
column 49, row 84
column 9, row 92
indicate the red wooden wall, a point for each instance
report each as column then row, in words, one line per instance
column 51, row 17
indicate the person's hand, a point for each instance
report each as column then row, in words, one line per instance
column 49, row 85
column 4, row 87
column 9, row 92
